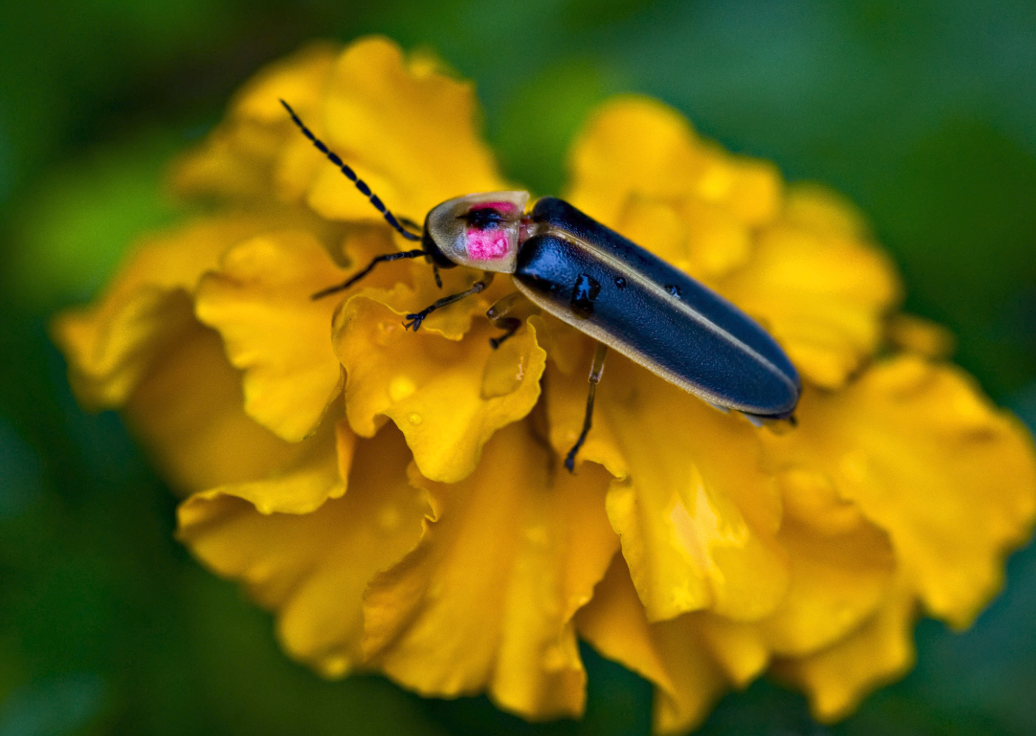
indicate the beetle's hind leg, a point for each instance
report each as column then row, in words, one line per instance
column 498, row 315
column 418, row 317
column 595, row 377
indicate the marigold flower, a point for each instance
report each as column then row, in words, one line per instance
column 398, row 500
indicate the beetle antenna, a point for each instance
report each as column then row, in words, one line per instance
column 351, row 175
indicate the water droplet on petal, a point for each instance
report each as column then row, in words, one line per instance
column 388, row 517
column 401, row 387
column 388, row 333
column 414, row 418
column 537, row 535
column 855, row 465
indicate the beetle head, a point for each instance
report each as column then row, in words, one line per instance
column 477, row 230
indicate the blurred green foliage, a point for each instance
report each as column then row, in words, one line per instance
column 921, row 112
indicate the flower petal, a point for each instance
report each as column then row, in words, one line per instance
column 840, row 567
column 486, row 600
column 838, row 678
column 912, row 444
column 822, row 210
column 403, row 126
column 237, row 160
column 447, row 396
column 111, row 343
column 306, row 551
column 693, row 658
column 820, row 292
column 910, row 333
column 638, row 148
column 686, row 678
column 639, row 168
column 697, row 514
column 689, row 646
column 260, row 302
column 201, row 437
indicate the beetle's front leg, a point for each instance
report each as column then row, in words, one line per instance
column 595, row 377
column 418, row 317
column 498, row 315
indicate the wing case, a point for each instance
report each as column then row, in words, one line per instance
column 620, row 294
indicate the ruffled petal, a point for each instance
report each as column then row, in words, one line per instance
column 694, row 658
column 820, row 292
column 836, row 679
column 639, row 168
column 694, row 508
column 260, row 302
column 912, row 444
column 638, row 148
column 406, row 129
column 112, row 343
column 613, row 622
column 822, row 210
column 236, row 162
column 188, row 408
column 703, row 238
column 840, row 567
column 698, row 678
column 486, row 600
column 306, row 551
column 910, row 333
column 447, row 396
column 687, row 680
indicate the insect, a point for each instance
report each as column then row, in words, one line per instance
column 605, row 286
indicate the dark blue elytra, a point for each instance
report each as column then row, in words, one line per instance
column 722, row 353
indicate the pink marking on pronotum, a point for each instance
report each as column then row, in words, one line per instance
column 486, row 245
column 506, row 208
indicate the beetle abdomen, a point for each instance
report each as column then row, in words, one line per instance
column 629, row 299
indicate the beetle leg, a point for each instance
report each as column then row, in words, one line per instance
column 510, row 325
column 595, row 376
column 370, row 267
column 497, row 313
column 418, row 317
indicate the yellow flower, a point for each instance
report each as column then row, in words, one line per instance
column 398, row 498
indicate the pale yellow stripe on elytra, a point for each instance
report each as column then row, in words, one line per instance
column 599, row 333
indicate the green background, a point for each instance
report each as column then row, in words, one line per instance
column 924, row 113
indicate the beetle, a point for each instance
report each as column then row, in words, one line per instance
column 605, row 286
